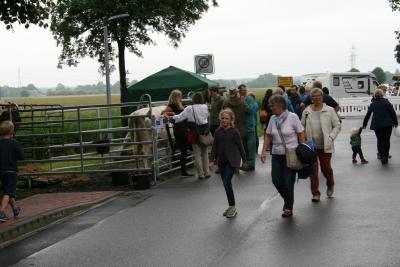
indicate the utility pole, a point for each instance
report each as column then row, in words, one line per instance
column 353, row 57
column 19, row 77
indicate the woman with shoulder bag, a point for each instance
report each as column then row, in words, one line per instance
column 286, row 125
column 322, row 126
column 197, row 116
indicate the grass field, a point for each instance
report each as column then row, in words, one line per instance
column 83, row 100
column 74, row 100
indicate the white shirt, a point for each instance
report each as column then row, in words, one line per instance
column 201, row 113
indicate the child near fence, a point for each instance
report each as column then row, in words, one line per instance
column 355, row 142
column 10, row 152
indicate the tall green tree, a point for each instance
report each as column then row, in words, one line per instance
column 77, row 26
column 395, row 5
column 380, row 74
column 25, row 12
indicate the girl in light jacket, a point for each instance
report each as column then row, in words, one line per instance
column 322, row 125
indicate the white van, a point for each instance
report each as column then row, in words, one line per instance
column 344, row 84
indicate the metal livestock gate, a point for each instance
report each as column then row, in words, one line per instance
column 61, row 140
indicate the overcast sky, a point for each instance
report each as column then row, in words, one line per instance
column 247, row 38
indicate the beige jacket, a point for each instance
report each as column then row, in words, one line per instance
column 330, row 124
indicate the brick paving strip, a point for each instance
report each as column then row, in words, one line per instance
column 42, row 209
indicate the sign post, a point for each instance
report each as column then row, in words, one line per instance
column 204, row 64
column 286, row 81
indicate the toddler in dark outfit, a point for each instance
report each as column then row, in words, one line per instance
column 355, row 142
column 10, row 153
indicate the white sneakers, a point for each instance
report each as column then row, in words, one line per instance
column 315, row 198
column 329, row 192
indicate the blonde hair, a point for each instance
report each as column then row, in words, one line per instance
column 6, row 127
column 354, row 130
column 383, row 87
column 378, row 93
column 174, row 98
column 230, row 113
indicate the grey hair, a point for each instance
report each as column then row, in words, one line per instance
column 279, row 101
column 316, row 90
column 278, row 91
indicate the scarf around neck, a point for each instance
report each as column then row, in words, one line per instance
column 281, row 118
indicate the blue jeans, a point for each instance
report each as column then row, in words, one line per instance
column 283, row 179
column 227, row 172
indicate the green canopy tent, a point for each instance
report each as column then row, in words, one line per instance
column 160, row 84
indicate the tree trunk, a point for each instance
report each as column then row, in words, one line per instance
column 122, row 80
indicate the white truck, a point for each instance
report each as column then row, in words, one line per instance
column 344, row 84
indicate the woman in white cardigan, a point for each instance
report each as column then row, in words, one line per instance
column 197, row 114
column 322, row 125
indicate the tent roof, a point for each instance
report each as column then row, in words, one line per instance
column 173, row 78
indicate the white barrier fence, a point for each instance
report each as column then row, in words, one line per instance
column 358, row 106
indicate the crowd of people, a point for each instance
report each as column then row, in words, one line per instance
column 288, row 118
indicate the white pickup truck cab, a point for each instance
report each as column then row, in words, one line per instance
column 344, row 84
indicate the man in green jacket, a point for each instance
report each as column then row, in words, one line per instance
column 237, row 105
column 249, row 141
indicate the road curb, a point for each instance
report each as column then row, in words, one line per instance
column 21, row 230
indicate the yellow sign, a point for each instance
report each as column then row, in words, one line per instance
column 285, row 81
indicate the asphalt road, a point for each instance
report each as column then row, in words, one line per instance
column 180, row 222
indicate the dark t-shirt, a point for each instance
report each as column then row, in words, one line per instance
column 10, row 152
column 328, row 100
column 175, row 108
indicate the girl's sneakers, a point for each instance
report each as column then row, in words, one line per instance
column 230, row 212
